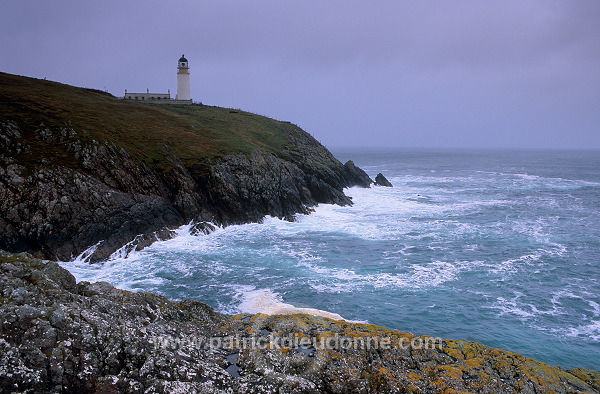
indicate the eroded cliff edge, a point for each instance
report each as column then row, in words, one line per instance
column 57, row 335
column 79, row 167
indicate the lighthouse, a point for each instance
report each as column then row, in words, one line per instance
column 183, row 79
column 183, row 89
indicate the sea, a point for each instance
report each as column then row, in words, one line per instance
column 495, row 246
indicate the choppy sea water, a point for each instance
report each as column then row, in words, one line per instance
column 499, row 247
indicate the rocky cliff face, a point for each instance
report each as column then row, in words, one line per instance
column 57, row 335
column 60, row 194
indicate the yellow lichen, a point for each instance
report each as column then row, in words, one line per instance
column 476, row 362
column 413, row 376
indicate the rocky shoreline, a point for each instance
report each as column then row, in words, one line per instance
column 60, row 212
column 57, row 335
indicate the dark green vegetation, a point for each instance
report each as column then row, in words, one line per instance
column 61, row 336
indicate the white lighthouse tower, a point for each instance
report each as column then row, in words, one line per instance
column 183, row 79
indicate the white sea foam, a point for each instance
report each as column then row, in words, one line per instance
column 528, row 176
column 540, row 180
column 512, row 266
column 387, row 214
column 589, row 331
column 85, row 256
column 270, row 303
column 513, row 307
column 557, row 182
column 97, row 272
column 332, row 288
column 529, row 310
column 419, row 276
column 595, row 307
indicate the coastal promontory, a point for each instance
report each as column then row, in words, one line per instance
column 81, row 168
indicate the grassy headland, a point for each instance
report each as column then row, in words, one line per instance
column 80, row 166
column 150, row 132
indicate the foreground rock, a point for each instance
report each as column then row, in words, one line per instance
column 57, row 335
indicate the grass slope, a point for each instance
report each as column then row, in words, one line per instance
column 149, row 132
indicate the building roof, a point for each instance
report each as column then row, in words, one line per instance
column 183, row 59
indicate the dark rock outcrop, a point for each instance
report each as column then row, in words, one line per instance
column 57, row 335
column 359, row 177
column 380, row 180
column 202, row 228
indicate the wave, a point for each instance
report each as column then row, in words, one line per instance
column 539, row 178
column 589, row 331
column 559, row 313
column 522, row 309
column 557, row 182
column 270, row 303
column 512, row 266
column 420, row 276
column 86, row 255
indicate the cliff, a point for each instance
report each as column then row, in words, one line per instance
column 57, row 335
column 79, row 167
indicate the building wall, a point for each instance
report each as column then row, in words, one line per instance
column 147, row 96
column 173, row 101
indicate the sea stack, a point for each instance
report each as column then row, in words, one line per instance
column 380, row 180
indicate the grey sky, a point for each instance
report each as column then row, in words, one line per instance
column 465, row 73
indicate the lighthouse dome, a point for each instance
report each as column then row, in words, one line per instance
column 182, row 59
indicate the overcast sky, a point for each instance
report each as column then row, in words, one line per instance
column 372, row 73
